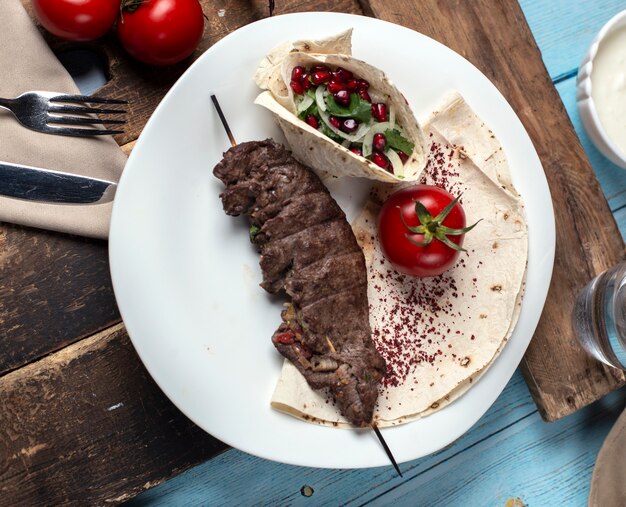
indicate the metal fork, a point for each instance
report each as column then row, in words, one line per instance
column 66, row 115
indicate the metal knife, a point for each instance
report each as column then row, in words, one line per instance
column 44, row 185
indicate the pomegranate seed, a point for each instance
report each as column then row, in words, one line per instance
column 364, row 95
column 380, row 141
column 341, row 75
column 380, row 160
column 351, row 85
column 342, row 97
column 334, row 87
column 334, row 121
column 403, row 156
column 297, row 87
column 296, row 73
column 312, row 120
column 362, row 84
column 356, row 149
column 306, row 81
column 320, row 76
column 349, row 125
column 322, row 68
column 379, row 111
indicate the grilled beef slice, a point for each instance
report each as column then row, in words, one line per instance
column 309, row 251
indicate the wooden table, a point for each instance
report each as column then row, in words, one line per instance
column 82, row 422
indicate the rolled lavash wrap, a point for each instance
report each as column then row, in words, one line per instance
column 313, row 148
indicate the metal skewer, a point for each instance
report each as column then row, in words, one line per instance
column 231, row 138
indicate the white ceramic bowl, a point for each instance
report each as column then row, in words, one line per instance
column 586, row 107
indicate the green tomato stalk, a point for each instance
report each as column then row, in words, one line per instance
column 431, row 227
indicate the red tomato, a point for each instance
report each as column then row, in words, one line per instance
column 161, row 32
column 77, row 20
column 398, row 241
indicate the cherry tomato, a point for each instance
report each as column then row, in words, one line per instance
column 77, row 20
column 161, row 32
column 399, row 219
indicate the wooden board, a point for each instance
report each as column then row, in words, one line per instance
column 56, row 289
column 495, row 37
column 87, row 425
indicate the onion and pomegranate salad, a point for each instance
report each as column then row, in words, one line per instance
column 344, row 108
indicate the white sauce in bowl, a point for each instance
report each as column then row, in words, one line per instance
column 608, row 79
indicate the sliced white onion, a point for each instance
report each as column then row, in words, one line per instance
column 377, row 97
column 396, row 162
column 346, row 144
column 304, row 104
column 369, row 137
column 319, row 98
column 360, row 132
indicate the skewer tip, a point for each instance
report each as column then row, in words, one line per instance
column 229, row 133
column 386, row 447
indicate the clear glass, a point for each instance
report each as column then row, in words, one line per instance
column 600, row 317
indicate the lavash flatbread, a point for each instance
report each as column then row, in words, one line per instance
column 467, row 314
column 309, row 145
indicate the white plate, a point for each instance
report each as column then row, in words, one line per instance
column 186, row 277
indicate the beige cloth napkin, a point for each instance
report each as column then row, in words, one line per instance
column 608, row 485
column 27, row 63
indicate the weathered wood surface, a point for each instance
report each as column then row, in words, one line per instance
column 87, row 425
column 55, row 290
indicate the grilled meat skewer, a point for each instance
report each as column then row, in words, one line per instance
column 309, row 251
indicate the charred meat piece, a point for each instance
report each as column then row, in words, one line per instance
column 309, row 251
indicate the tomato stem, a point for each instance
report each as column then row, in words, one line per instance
column 432, row 227
column 130, row 6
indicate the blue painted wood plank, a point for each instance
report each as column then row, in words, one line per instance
column 235, row 477
column 564, row 29
column 620, row 218
column 510, row 453
column 537, row 462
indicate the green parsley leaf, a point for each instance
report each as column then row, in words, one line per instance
column 359, row 109
column 325, row 129
column 254, row 230
column 312, row 109
column 396, row 141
